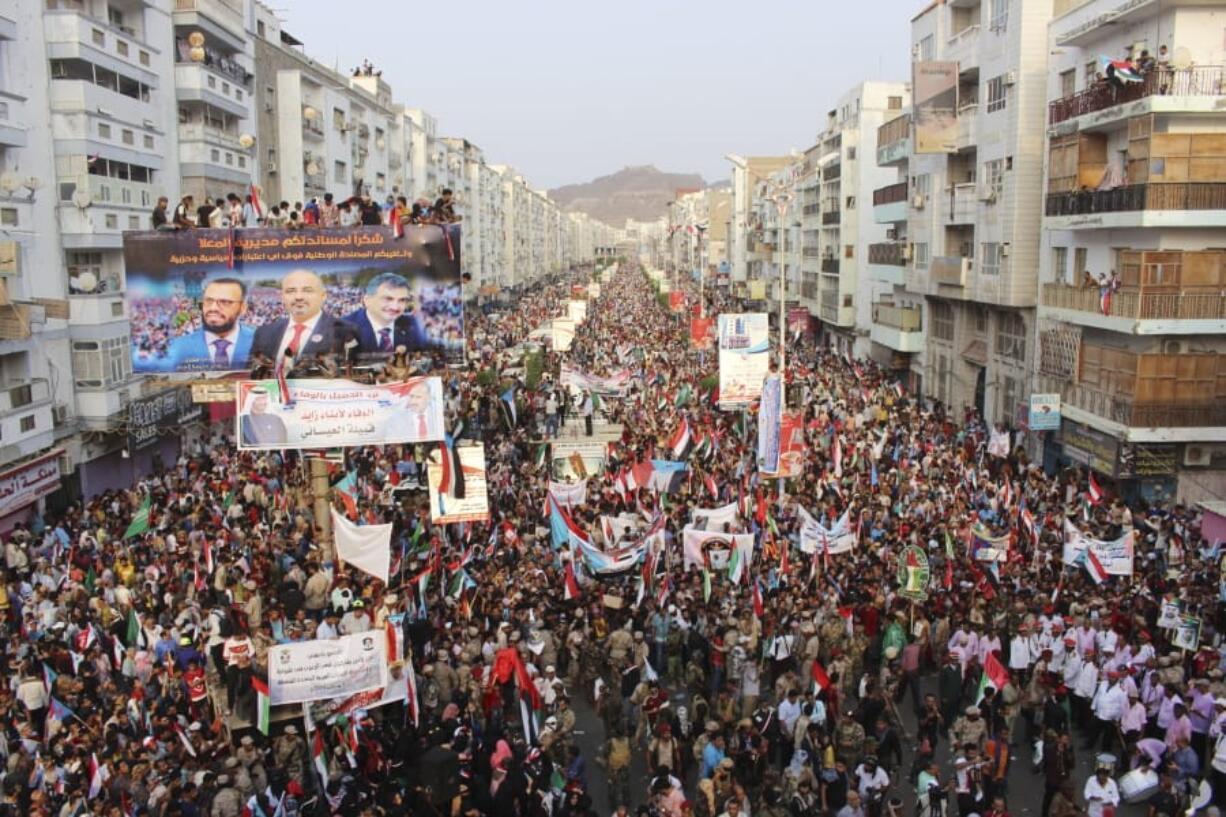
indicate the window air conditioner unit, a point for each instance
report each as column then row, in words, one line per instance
column 1004, row 249
column 906, row 252
column 59, row 415
column 917, row 202
column 272, row 167
column 987, row 195
column 1172, row 347
column 1197, row 455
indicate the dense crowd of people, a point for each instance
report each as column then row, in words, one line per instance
column 815, row 683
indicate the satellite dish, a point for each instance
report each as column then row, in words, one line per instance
column 1181, row 59
column 87, row 282
column 9, row 182
column 246, row 140
column 312, row 169
column 195, row 39
column 82, row 198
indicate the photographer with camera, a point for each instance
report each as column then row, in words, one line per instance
column 872, row 781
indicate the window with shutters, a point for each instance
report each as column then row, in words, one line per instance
column 942, row 321
column 997, row 91
column 1011, row 337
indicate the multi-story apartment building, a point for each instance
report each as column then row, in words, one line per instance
column 320, row 131
column 747, row 237
column 214, row 86
column 973, row 221
column 849, row 176
column 1132, row 317
column 897, row 330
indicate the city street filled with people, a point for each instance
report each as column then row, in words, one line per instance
column 952, row 655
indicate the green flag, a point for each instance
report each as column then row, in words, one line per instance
column 734, row 565
column 228, row 501
column 140, row 522
column 91, row 578
column 133, row 628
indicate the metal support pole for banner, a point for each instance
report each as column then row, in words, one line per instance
column 323, row 506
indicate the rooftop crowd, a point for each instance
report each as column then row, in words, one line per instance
column 811, row 686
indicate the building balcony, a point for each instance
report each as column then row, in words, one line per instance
column 811, row 209
column 831, row 217
column 1180, row 89
column 968, row 125
column 890, row 203
column 26, row 417
column 832, row 172
column 199, row 132
column 894, row 141
column 197, row 83
column 1126, row 411
column 950, row 270
column 833, row 310
column 886, row 262
column 1158, row 204
column 72, row 35
column 963, row 203
column 116, row 205
column 82, row 96
column 220, row 19
column 1137, row 311
column 963, row 48
column 96, row 310
column 811, row 252
column 12, row 120
column 897, row 328
column 830, row 266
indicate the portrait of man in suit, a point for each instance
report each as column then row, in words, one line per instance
column 386, row 319
column 414, row 418
column 256, row 425
column 222, row 343
column 308, row 330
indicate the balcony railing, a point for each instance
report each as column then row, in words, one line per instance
column 831, row 216
column 890, row 194
column 952, row 270
column 895, row 130
column 832, row 171
column 312, row 127
column 830, row 265
column 1123, row 409
column 900, row 318
column 1138, row 304
column 199, row 132
column 891, row 252
column 1203, row 80
column 20, row 396
column 1154, row 196
column 810, row 252
column 811, row 209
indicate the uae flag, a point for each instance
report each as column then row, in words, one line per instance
column 682, row 442
column 319, row 756
column 263, row 704
column 994, row 675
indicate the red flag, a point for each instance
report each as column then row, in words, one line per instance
column 570, row 589
column 759, row 609
column 1096, row 492
column 256, row 204
column 820, row 679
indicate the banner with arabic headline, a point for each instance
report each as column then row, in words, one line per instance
column 216, row 300
column 791, row 447
column 713, row 550
column 814, row 536
column 337, row 413
column 305, row 671
column 615, row 383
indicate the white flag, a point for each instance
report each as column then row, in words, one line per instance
column 366, row 547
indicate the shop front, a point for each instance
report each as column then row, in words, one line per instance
column 23, row 486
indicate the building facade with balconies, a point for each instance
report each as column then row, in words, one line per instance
column 973, row 224
column 1131, row 313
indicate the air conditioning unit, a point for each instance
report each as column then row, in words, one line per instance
column 269, row 107
column 906, row 252
column 1010, row 78
column 1173, row 347
column 59, row 414
column 1004, row 249
column 1197, row 455
column 917, row 202
column 272, row 167
column 987, row 195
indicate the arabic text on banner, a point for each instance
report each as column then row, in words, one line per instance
column 814, row 536
column 338, row 413
column 313, row 670
column 714, row 549
column 30, row 481
column 475, row 506
column 1115, row 556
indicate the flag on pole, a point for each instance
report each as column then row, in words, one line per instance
column 681, row 442
column 98, row 775
column 820, row 679
column 263, row 704
column 256, row 204
column 1096, row 492
column 452, row 482
column 507, row 399
column 411, row 700
column 140, row 522
column 318, row 756
column 570, row 587
column 758, row 609
column 994, row 675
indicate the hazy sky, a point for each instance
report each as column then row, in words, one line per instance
column 566, row 90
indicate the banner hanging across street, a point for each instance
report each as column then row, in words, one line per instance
column 327, row 413
column 219, row 300
column 744, row 358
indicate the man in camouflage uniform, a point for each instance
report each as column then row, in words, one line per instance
column 289, row 754
column 969, row 728
column 445, row 678
column 849, row 739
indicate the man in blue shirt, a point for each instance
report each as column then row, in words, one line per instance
column 712, row 755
